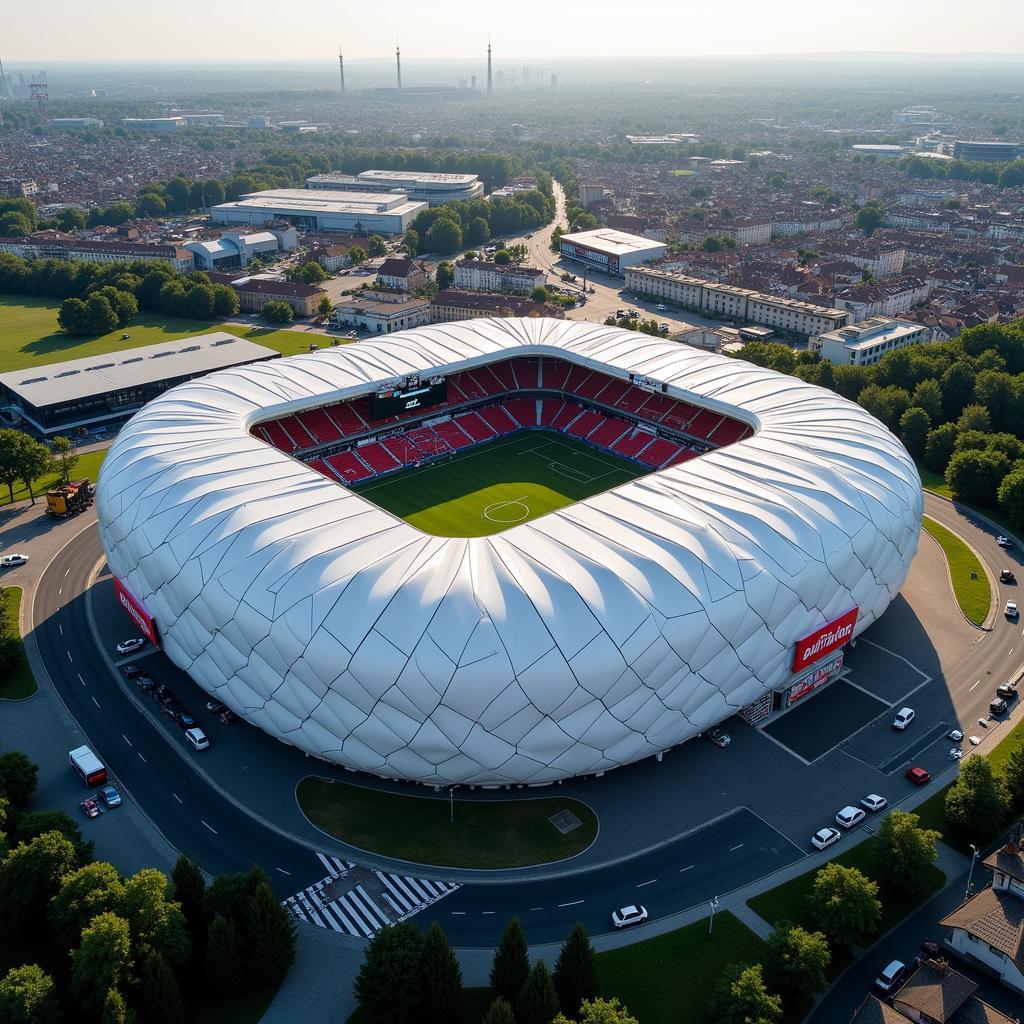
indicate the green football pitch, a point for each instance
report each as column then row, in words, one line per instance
column 492, row 486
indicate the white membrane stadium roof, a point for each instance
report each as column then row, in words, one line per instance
column 588, row 638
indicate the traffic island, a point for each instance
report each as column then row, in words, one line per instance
column 490, row 834
column 16, row 679
column 966, row 573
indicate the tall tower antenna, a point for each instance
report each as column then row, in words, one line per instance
column 341, row 69
column 489, row 64
column 398, row 63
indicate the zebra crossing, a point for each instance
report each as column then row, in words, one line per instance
column 356, row 912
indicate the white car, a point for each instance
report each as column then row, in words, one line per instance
column 10, row 561
column 625, row 916
column 128, row 646
column 850, row 816
column 891, row 976
column 956, row 736
column 903, row 718
column 1011, row 609
column 661, row 308
column 874, row 802
column 197, row 738
column 1004, row 542
column 825, row 837
column 974, row 740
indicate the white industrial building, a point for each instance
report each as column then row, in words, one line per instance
column 428, row 187
column 232, row 249
column 865, row 343
column 610, row 251
column 153, row 124
column 359, row 212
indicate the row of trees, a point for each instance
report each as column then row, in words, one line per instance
column 105, row 948
column 407, row 976
column 982, row 801
column 955, row 405
column 24, row 459
column 1005, row 175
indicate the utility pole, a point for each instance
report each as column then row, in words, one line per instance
column 451, row 805
column 714, row 906
column 398, row 63
column 970, row 874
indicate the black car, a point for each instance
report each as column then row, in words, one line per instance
column 184, row 719
column 997, row 707
column 1006, row 576
column 214, row 706
column 145, row 684
column 131, row 671
column 164, row 695
column 1007, row 690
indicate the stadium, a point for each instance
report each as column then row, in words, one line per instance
column 504, row 551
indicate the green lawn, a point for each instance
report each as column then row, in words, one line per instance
column 29, row 335
column 485, row 834
column 246, row 1008
column 970, row 582
column 88, row 466
column 19, row 682
column 681, row 172
column 499, row 484
column 934, row 482
column 789, row 901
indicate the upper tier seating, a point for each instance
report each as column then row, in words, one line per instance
column 349, row 467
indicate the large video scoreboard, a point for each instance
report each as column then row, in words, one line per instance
column 407, row 393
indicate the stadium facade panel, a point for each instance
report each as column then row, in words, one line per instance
column 589, row 638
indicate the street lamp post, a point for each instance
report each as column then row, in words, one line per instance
column 970, row 874
column 451, row 805
column 714, row 906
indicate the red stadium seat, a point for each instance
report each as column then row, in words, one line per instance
column 498, row 420
column 377, row 457
column 348, row 466
column 523, row 411
column 565, row 416
column 319, row 425
column 633, row 443
column 608, row 432
column 658, row 452
column 704, row 422
column 585, row 423
column 503, row 372
column 477, row 429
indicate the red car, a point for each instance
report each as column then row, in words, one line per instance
column 919, row 776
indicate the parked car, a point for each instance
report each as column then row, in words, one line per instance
column 719, row 738
column 661, row 307
column 184, row 719
column 129, row 646
column 825, row 837
column 1006, row 576
column 90, row 807
column 873, row 802
column 1011, row 611
column 997, row 706
column 1007, row 690
column 197, row 738
column 664, row 328
column 903, row 718
column 1004, row 542
column 214, row 706
column 145, row 684
column 625, row 916
column 11, row 560
column 850, row 816
column 227, row 716
column 110, row 796
column 956, row 735
column 171, row 710
column 164, row 696
column 891, row 976
column 918, row 776
column 131, row 671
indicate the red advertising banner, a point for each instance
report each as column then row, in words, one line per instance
column 824, row 640
column 136, row 611
column 815, row 678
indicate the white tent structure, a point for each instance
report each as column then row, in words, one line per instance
column 593, row 636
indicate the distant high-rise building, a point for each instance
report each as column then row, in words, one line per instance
column 488, row 67
column 500, row 78
column 398, row 64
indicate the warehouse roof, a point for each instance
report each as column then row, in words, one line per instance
column 609, row 240
column 58, row 383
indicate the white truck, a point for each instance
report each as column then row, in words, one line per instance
column 88, row 766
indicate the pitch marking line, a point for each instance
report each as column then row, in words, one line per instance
column 511, row 503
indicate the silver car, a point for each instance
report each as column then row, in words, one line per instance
column 625, row 916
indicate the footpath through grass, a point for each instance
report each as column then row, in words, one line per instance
column 970, row 581
column 19, row 681
column 88, row 466
column 29, row 335
column 486, row 833
column 502, row 483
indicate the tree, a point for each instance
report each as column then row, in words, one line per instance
column 73, row 317
column 938, row 447
column 479, row 231
column 33, row 460
column 28, row 995
column 914, row 426
column 503, row 257
column 225, row 301
column 161, row 1001
column 974, row 476
column 957, row 383
column 18, row 773
column 576, row 973
column 388, row 984
column 740, row 997
column 35, row 823
column 539, row 294
column 444, row 275
column 277, row 312
column 538, row 1001
column 65, row 458
column 325, row 307
column 904, row 852
column 101, row 961
column 1011, row 496
column 445, row 236
column 928, row 396
column 1013, row 775
column 499, row 1012
column 869, row 216
column 600, row 1011
column 307, row 273
column 356, row 255
column 156, row 921
column 84, row 894
column 189, row 888
column 796, row 968
column 511, row 964
column 974, row 417
column 225, row 963
column 556, row 237
column 115, row 1009
column 442, row 979
column 29, row 878
column 376, row 246
column 411, row 243
column 887, row 403
column 100, row 317
column 978, row 802
column 270, row 936
column 845, row 905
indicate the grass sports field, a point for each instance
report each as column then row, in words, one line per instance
column 29, row 335
column 499, row 484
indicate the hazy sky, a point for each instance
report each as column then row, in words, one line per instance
column 289, row 29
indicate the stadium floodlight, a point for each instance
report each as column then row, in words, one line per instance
column 605, row 632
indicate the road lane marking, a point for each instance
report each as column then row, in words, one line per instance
column 210, row 827
column 144, row 761
column 72, row 660
column 486, row 912
column 67, row 572
column 96, row 702
column 178, row 798
column 60, row 628
column 735, row 848
column 125, row 738
column 642, row 884
column 687, row 868
column 575, row 903
column 283, row 872
column 60, row 591
column 973, row 687
column 458, row 913
column 80, row 679
column 536, row 908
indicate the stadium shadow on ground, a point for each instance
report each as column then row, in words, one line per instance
column 494, row 486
